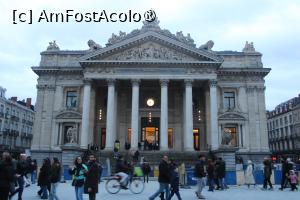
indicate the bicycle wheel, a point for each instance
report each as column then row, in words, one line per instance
column 112, row 186
column 137, row 186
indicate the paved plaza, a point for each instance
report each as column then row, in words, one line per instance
column 66, row 192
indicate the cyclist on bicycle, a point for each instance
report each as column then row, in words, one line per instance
column 122, row 170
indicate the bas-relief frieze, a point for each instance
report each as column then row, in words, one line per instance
column 151, row 51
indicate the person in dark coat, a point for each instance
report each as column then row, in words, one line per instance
column 174, row 184
column 55, row 174
column 200, row 174
column 267, row 173
column 221, row 168
column 92, row 178
column 21, row 171
column 146, row 170
column 44, row 179
column 163, row 178
column 6, row 175
column 210, row 174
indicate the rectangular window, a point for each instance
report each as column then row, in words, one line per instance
column 71, row 101
column 229, row 100
column 290, row 119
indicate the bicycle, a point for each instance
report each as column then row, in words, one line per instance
column 135, row 185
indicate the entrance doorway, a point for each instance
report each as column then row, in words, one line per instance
column 150, row 133
column 196, row 136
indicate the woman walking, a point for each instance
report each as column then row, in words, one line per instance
column 78, row 171
column 54, row 178
column 44, row 178
column 249, row 178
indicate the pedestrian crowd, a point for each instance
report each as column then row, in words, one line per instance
column 16, row 174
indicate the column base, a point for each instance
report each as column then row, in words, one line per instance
column 163, row 149
column 189, row 149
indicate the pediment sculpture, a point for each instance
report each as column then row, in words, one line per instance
column 151, row 51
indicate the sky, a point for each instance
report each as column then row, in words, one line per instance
column 273, row 26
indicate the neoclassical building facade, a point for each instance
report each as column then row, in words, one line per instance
column 154, row 91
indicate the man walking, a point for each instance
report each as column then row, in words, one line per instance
column 163, row 178
column 92, row 178
column 21, row 171
column 200, row 174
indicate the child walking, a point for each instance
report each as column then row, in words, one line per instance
column 293, row 180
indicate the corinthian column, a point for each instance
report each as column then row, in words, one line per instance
column 164, row 115
column 213, row 115
column 188, row 108
column 135, row 114
column 110, row 135
column 85, row 114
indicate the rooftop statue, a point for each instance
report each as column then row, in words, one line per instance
column 249, row 48
column 53, row 46
column 93, row 45
column 207, row 46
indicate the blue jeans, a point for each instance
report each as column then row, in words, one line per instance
column 44, row 192
column 53, row 195
column 79, row 193
column 163, row 187
column 33, row 177
column 172, row 194
column 20, row 188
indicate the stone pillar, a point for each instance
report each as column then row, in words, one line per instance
column 164, row 115
column 188, row 120
column 110, row 137
column 85, row 114
column 213, row 115
column 135, row 115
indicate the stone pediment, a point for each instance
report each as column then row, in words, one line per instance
column 151, row 46
column 151, row 51
column 232, row 116
column 68, row 114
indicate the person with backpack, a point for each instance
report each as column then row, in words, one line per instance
column 78, row 171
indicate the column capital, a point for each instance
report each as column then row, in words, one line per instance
column 87, row 81
column 164, row 82
column 135, row 82
column 212, row 83
column 111, row 81
column 188, row 82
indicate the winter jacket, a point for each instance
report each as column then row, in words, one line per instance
column 249, row 178
column 44, row 175
column 164, row 172
column 199, row 169
column 6, row 173
column 92, row 177
column 146, row 168
column 174, row 181
column 22, row 167
column 55, row 173
column 293, row 178
column 267, row 169
column 79, row 172
column 210, row 171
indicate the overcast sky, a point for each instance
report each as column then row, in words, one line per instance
column 273, row 26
